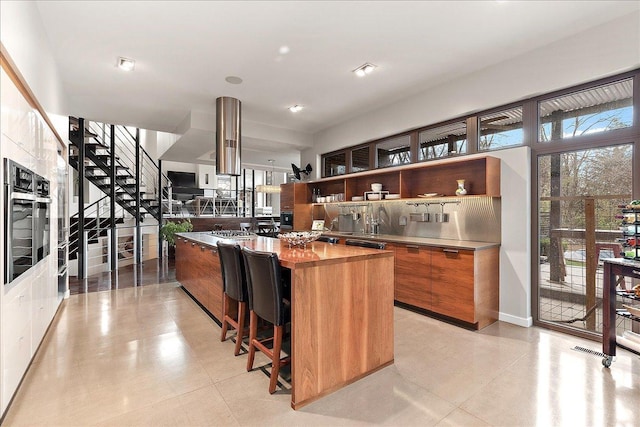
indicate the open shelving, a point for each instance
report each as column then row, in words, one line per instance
column 481, row 175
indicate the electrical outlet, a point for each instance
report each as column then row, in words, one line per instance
column 403, row 220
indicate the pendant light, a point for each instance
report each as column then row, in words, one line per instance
column 268, row 188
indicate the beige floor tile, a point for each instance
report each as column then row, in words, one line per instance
column 150, row 356
column 555, row 385
column 461, row 418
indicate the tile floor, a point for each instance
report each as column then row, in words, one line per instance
column 149, row 356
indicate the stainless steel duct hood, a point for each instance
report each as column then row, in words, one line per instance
column 227, row 136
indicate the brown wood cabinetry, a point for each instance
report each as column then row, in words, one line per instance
column 452, row 283
column 481, row 175
column 458, row 283
column 412, row 273
column 198, row 271
column 296, row 197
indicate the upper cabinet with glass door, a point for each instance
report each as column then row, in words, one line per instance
column 334, row 164
column 394, row 151
column 595, row 110
column 360, row 159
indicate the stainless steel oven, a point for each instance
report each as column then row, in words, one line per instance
column 20, row 203
column 286, row 221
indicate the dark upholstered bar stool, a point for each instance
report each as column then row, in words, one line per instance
column 332, row 240
column 235, row 289
column 365, row 244
column 264, row 280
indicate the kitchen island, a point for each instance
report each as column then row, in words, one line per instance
column 341, row 307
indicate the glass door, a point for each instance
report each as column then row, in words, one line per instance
column 578, row 197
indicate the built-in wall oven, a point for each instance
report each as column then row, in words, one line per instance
column 27, row 238
column 286, row 220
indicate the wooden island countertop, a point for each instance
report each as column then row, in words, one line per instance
column 342, row 311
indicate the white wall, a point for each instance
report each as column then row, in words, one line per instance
column 602, row 51
column 23, row 37
column 22, row 34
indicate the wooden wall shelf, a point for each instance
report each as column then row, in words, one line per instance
column 481, row 175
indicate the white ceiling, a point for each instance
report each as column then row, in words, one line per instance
column 184, row 50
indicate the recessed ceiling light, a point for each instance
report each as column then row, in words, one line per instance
column 126, row 64
column 295, row 108
column 233, row 80
column 283, row 50
column 364, row 69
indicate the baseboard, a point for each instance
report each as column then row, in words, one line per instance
column 525, row 322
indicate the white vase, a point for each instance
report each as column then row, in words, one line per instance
column 461, row 191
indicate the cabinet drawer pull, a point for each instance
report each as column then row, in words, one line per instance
column 412, row 247
column 450, row 251
column 193, row 244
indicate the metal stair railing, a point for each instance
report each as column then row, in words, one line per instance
column 97, row 220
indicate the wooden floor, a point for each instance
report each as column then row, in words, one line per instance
column 150, row 272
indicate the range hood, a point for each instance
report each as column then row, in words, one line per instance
column 227, row 136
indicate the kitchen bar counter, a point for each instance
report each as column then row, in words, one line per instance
column 342, row 311
column 423, row 241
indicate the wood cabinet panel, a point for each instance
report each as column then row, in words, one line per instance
column 481, row 175
column 452, row 283
column 413, row 275
column 286, row 197
column 461, row 284
column 198, row 270
column 296, row 197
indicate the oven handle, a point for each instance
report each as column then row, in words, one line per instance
column 22, row 196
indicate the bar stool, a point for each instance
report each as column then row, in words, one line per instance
column 365, row 244
column 332, row 240
column 264, row 280
column 235, row 288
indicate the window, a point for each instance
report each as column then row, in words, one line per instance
column 599, row 109
column 360, row 159
column 335, row 164
column 501, row 129
column 443, row 141
column 394, row 152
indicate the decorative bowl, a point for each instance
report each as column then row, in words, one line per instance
column 299, row 238
column 376, row 187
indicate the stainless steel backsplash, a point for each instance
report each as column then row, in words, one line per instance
column 471, row 218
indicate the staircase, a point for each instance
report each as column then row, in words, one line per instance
column 95, row 228
column 97, row 165
column 116, row 164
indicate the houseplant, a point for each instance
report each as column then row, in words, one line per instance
column 169, row 230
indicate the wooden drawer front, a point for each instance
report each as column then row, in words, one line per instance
column 453, row 283
column 211, row 280
column 286, row 197
column 412, row 275
column 192, row 273
column 181, row 250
